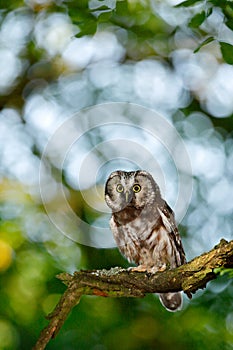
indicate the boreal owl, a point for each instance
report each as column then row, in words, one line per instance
column 144, row 227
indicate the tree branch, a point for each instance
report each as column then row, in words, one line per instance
column 118, row 282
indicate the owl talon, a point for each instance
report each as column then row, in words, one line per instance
column 140, row 268
column 143, row 268
column 162, row 268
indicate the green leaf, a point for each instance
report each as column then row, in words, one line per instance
column 104, row 16
column 81, row 4
column 219, row 3
column 82, row 17
column 103, row 13
column 229, row 23
column 101, row 8
column 227, row 52
column 205, row 42
column 209, row 12
column 11, row 4
column 89, row 28
column 122, row 8
column 197, row 20
column 187, row 3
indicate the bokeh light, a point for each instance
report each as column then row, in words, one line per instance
column 5, row 255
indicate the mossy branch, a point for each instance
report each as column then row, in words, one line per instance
column 118, row 282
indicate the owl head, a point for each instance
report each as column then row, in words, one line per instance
column 130, row 189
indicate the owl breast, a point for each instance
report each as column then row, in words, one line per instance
column 141, row 240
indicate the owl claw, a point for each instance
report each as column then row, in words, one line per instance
column 140, row 268
column 144, row 268
column 162, row 268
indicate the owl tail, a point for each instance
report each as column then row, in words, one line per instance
column 171, row 301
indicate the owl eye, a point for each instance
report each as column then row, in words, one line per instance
column 119, row 188
column 136, row 188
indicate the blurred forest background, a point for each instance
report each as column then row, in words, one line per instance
column 58, row 57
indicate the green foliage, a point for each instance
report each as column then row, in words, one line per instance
column 82, row 17
column 187, row 3
column 11, row 4
column 197, row 20
column 227, row 52
column 229, row 23
column 223, row 271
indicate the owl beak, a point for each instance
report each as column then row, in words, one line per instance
column 127, row 196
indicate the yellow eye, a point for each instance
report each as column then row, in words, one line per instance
column 119, row 188
column 136, row 188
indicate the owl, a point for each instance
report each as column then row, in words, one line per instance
column 144, row 227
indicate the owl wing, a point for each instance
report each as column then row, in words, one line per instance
column 168, row 219
column 116, row 233
column 119, row 237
